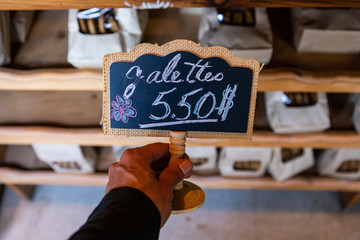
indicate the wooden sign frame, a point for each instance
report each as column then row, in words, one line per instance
column 173, row 46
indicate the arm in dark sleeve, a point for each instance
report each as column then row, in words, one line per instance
column 124, row 213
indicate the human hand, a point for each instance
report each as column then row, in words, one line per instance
column 137, row 168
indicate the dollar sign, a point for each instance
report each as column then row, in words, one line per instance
column 227, row 101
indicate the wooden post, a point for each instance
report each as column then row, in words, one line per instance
column 177, row 149
column 349, row 199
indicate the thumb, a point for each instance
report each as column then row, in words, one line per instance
column 175, row 173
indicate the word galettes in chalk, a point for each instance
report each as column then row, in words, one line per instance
column 196, row 72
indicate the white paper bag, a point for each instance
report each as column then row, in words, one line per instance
column 244, row 161
column 336, row 163
column 326, row 30
column 4, row 37
column 243, row 41
column 203, row 158
column 87, row 50
column 284, row 118
column 282, row 168
column 69, row 158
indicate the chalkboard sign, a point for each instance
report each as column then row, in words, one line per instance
column 179, row 86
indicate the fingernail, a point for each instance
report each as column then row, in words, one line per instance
column 185, row 166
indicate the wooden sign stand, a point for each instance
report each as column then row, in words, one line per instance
column 187, row 196
column 181, row 87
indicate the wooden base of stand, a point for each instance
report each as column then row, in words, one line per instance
column 187, row 199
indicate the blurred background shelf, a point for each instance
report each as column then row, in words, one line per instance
column 272, row 79
column 70, row 79
column 312, row 183
column 288, row 71
column 83, row 4
column 24, row 135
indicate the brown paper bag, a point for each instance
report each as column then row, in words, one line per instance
column 326, row 30
column 247, row 40
column 4, row 37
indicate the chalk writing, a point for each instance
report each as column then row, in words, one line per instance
column 166, row 105
column 227, row 102
column 163, row 124
column 223, row 109
column 148, row 5
column 180, row 91
column 198, row 71
column 183, row 103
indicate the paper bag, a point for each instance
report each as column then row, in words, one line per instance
column 297, row 112
column 245, row 32
column 21, row 22
column 288, row 162
column 356, row 114
column 4, row 37
column 326, row 30
column 69, row 158
column 204, row 159
column 95, row 32
column 244, row 161
column 340, row 163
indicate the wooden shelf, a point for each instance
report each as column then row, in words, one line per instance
column 300, row 81
column 21, row 177
column 83, row 4
column 92, row 80
column 94, row 137
column 51, row 79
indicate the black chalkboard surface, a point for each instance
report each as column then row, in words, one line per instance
column 180, row 91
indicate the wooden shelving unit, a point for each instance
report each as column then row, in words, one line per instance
column 11, row 176
column 277, row 77
column 95, row 137
column 51, row 80
column 92, row 80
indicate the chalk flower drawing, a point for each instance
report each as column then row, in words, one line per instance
column 122, row 109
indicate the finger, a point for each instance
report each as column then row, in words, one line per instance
column 189, row 173
column 156, row 151
column 175, row 173
column 111, row 168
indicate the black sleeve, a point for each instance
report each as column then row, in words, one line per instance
column 123, row 214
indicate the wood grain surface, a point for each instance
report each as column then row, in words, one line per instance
column 276, row 79
column 95, row 137
column 83, row 4
column 67, row 79
column 314, row 183
column 51, row 107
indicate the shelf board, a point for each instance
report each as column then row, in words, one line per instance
column 22, row 177
column 83, row 4
column 300, row 81
column 95, row 137
column 91, row 80
column 51, row 80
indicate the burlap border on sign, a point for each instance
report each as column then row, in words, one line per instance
column 173, row 46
